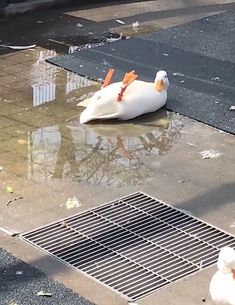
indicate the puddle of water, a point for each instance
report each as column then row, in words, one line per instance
column 43, row 139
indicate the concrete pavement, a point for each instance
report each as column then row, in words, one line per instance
column 47, row 157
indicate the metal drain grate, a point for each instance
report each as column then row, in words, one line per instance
column 134, row 245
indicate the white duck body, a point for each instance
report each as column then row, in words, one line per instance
column 222, row 286
column 139, row 97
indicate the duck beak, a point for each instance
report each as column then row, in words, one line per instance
column 233, row 272
column 160, row 85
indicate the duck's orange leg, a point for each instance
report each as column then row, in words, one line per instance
column 108, row 78
column 127, row 80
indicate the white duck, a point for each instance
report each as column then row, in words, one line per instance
column 127, row 99
column 222, row 286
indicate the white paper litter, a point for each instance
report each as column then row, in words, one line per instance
column 232, row 108
column 165, row 54
column 18, row 47
column 216, row 78
column 177, row 74
column 72, row 203
column 79, row 25
column 120, row 21
column 135, row 24
column 114, row 39
column 210, row 154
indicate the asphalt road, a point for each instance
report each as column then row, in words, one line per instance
column 20, row 283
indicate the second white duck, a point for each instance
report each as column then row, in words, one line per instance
column 127, row 99
column 222, row 286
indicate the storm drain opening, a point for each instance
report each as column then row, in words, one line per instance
column 135, row 245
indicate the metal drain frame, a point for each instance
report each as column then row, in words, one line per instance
column 25, row 239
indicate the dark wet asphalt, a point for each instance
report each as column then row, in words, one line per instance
column 51, row 29
column 19, row 284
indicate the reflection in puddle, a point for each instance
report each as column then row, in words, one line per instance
column 108, row 154
column 43, row 79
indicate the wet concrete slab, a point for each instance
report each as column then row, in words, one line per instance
column 47, row 157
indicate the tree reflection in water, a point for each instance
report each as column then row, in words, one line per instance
column 108, row 154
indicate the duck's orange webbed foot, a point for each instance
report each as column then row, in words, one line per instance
column 108, row 78
column 127, row 80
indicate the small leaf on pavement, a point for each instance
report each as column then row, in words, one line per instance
column 44, row 294
column 9, row 189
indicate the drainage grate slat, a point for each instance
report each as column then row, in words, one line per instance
column 135, row 245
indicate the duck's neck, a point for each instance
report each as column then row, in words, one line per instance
column 227, row 270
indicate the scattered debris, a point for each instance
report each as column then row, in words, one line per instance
column 9, row 189
column 80, row 25
column 18, row 47
column 135, row 24
column 204, row 300
column 181, row 181
column 19, row 272
column 112, row 39
column 186, row 212
column 210, row 154
column 14, row 199
column 22, row 141
column 12, row 303
column 120, row 21
column 216, row 78
column 39, row 21
column 63, row 224
column 177, row 74
column 44, row 294
column 165, row 54
column 200, row 266
column 72, row 203
column 182, row 81
column 191, row 144
column 1, row 168
column 105, row 62
column 232, row 108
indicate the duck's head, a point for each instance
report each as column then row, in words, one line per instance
column 226, row 260
column 161, row 81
